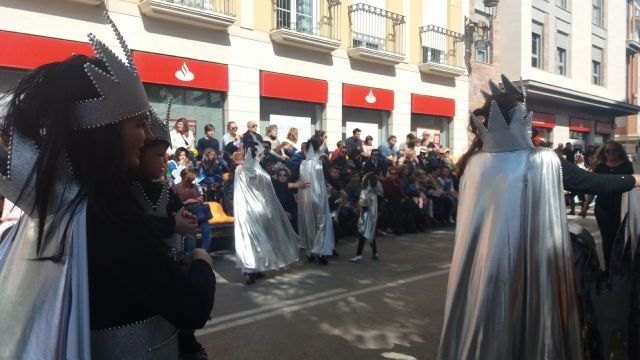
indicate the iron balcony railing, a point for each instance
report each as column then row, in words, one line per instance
column 377, row 29
column 313, row 17
column 442, row 46
column 226, row 7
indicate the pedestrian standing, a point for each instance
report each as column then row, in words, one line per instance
column 371, row 190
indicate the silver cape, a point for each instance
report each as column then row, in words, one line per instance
column 511, row 292
column 368, row 219
column 44, row 311
column 315, row 223
column 264, row 237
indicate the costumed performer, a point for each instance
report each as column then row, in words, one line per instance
column 371, row 190
column 264, row 237
column 315, row 223
column 82, row 274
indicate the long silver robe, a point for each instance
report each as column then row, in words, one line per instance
column 511, row 292
column 368, row 219
column 44, row 306
column 315, row 223
column 264, row 237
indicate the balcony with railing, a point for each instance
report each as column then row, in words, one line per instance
column 633, row 40
column 377, row 35
column 309, row 24
column 213, row 14
column 442, row 51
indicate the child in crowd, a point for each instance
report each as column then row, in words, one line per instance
column 371, row 189
column 158, row 200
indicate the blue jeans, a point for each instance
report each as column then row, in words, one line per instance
column 190, row 241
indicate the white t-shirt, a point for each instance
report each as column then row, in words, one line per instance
column 179, row 140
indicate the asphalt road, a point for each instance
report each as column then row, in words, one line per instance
column 386, row 309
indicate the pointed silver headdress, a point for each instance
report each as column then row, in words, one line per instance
column 122, row 95
column 500, row 135
column 160, row 128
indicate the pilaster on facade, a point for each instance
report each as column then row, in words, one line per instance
column 218, row 16
column 243, row 98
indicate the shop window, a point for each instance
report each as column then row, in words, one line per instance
column 203, row 107
column 437, row 126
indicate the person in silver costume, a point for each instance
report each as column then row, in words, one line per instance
column 511, row 291
column 264, row 238
column 315, row 223
column 511, row 287
column 82, row 274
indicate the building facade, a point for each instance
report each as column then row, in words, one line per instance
column 384, row 66
column 570, row 58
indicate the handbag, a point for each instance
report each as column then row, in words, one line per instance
column 202, row 212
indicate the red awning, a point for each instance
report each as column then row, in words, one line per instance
column 543, row 120
column 580, row 125
column 432, row 105
column 367, row 97
column 177, row 71
column 289, row 87
column 23, row 51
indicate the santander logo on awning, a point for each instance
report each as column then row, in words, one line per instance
column 370, row 98
column 184, row 74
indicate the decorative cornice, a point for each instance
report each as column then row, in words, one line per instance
column 376, row 56
column 186, row 15
column 89, row 2
column 304, row 40
column 441, row 69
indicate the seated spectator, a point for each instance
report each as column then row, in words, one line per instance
column 409, row 144
column 285, row 194
column 335, row 153
column 446, row 179
column 290, row 143
column 442, row 204
column 375, row 164
column 208, row 141
column 179, row 162
column 211, row 175
column 367, row 146
column 189, row 194
column 389, row 151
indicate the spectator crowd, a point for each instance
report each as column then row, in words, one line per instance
column 417, row 175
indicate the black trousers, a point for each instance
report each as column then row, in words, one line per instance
column 608, row 224
column 361, row 241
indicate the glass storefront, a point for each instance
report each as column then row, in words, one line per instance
column 200, row 107
column 304, row 116
column 579, row 138
column 373, row 123
column 437, row 126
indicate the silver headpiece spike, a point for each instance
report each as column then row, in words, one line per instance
column 122, row 95
column 159, row 129
column 508, row 86
column 166, row 118
column 501, row 135
column 524, row 91
column 123, row 43
column 485, row 95
column 495, row 89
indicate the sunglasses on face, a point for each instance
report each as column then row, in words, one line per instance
column 234, row 128
column 611, row 152
column 253, row 126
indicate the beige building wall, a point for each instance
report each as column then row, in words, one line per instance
column 247, row 49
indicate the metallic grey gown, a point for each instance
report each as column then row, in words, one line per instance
column 315, row 223
column 264, row 237
column 511, row 292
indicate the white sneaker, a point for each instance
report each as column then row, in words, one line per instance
column 356, row 258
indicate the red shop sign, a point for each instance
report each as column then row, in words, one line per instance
column 23, row 51
column 604, row 127
column 543, row 120
column 282, row 86
column 580, row 125
column 367, row 97
column 177, row 71
column 432, row 105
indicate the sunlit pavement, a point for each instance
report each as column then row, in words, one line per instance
column 386, row 309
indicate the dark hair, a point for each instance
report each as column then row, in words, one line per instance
column 391, row 137
column 180, row 150
column 41, row 108
column 600, row 156
column 370, row 179
column 313, row 141
column 185, row 125
column 506, row 101
column 209, row 127
column 356, row 130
